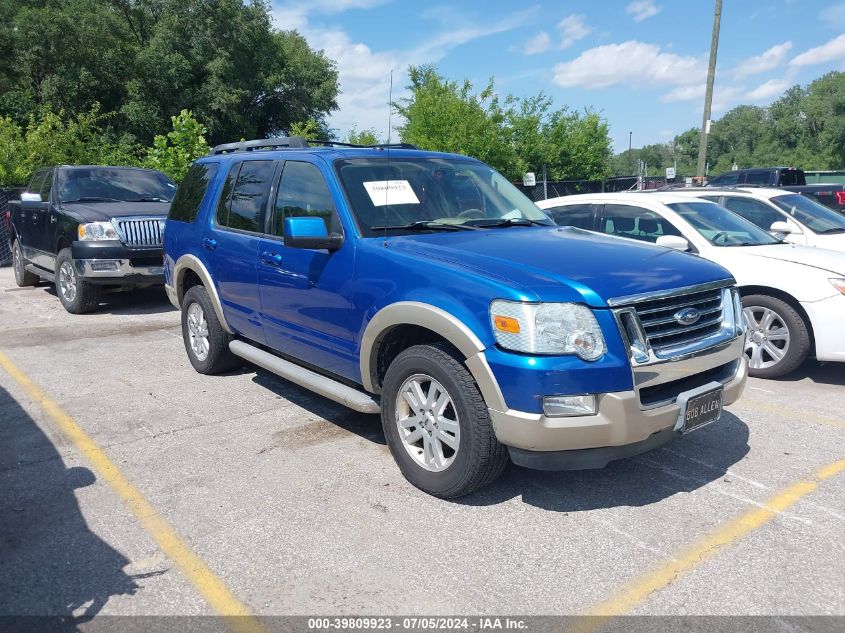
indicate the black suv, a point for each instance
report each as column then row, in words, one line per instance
column 762, row 177
column 86, row 227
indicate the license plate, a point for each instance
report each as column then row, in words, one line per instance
column 702, row 410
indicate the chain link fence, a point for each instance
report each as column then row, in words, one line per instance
column 5, row 196
column 558, row 188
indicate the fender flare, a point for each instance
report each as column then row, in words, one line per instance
column 192, row 263
column 437, row 320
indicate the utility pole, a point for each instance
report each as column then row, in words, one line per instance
column 630, row 157
column 708, row 95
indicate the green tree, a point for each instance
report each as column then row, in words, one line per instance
column 309, row 130
column 174, row 153
column 364, row 137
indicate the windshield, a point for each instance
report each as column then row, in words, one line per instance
column 817, row 217
column 428, row 194
column 118, row 184
column 721, row 227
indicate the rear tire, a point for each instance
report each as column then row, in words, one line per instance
column 437, row 425
column 206, row 342
column 23, row 277
column 778, row 339
column 76, row 295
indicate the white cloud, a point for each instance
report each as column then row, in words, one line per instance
column 770, row 59
column 539, row 43
column 632, row 63
column 768, row 90
column 642, row 9
column 685, row 93
column 572, row 28
column 364, row 74
column 833, row 15
column 834, row 50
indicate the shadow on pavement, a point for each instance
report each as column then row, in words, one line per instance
column 819, row 373
column 50, row 562
column 142, row 301
column 683, row 465
column 364, row 425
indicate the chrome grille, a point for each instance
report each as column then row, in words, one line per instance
column 140, row 231
column 664, row 331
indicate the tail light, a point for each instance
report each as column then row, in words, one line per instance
column 840, row 198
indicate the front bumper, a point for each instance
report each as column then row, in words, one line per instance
column 623, row 424
column 826, row 318
column 111, row 262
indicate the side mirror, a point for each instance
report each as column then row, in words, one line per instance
column 674, row 242
column 30, row 197
column 784, row 227
column 311, row 233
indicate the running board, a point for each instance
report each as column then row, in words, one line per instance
column 311, row 380
column 44, row 274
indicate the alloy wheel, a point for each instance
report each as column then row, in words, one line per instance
column 427, row 422
column 198, row 331
column 768, row 337
column 67, row 282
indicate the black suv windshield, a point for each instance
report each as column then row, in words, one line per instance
column 720, row 226
column 430, row 194
column 118, row 184
column 819, row 218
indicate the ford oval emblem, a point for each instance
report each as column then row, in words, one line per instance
column 687, row 316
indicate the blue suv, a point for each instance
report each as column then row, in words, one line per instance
column 425, row 287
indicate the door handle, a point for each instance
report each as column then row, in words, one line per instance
column 52, row 219
column 273, row 259
column 209, row 243
column 34, row 216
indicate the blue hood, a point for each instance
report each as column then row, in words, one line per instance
column 565, row 264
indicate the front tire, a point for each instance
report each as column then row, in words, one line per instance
column 76, row 295
column 437, row 425
column 778, row 339
column 23, row 278
column 206, row 342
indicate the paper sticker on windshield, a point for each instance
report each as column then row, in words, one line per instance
column 384, row 192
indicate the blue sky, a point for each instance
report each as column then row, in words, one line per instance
column 641, row 63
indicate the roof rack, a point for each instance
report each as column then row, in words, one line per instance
column 281, row 142
column 296, row 142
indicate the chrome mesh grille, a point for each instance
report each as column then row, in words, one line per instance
column 664, row 331
column 140, row 232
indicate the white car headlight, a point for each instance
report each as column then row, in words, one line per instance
column 547, row 328
column 97, row 231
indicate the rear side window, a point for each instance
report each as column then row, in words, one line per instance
column 186, row 204
column 577, row 215
column 790, row 177
column 759, row 177
column 725, row 180
column 244, row 195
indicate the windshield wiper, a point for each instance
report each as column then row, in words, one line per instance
column 149, row 199
column 505, row 222
column 92, row 199
column 425, row 225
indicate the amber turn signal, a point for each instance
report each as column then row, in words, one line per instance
column 506, row 324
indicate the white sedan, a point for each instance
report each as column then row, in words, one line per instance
column 789, row 215
column 793, row 296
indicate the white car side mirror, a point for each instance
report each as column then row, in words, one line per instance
column 30, row 197
column 785, row 228
column 674, row 242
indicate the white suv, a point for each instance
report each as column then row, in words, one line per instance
column 789, row 215
column 793, row 296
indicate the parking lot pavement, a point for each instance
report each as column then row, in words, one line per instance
column 294, row 504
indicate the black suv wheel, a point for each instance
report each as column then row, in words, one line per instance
column 77, row 295
column 436, row 423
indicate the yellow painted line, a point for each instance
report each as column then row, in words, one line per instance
column 704, row 549
column 751, row 405
column 195, row 570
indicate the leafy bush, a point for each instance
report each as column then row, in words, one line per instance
column 174, row 153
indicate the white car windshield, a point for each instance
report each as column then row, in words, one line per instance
column 817, row 217
column 721, row 227
column 404, row 195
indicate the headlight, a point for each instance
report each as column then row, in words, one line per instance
column 97, row 231
column 839, row 284
column 547, row 328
